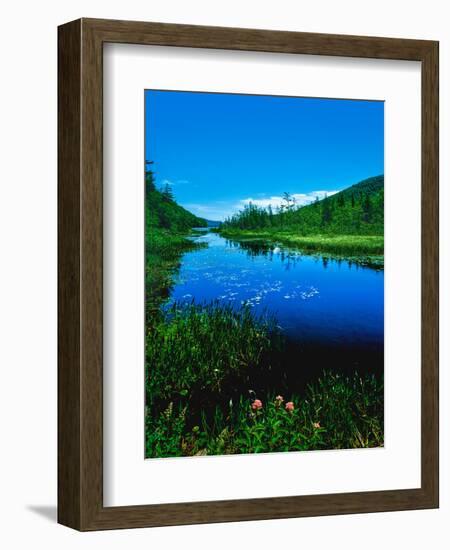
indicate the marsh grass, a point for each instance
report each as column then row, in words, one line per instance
column 336, row 412
column 202, row 353
column 208, row 365
column 359, row 248
column 204, row 367
column 163, row 253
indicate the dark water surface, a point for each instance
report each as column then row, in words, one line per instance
column 331, row 310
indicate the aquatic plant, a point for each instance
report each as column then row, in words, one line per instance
column 337, row 412
column 206, row 352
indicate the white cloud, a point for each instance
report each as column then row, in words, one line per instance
column 216, row 211
column 301, row 199
column 174, row 182
column 220, row 210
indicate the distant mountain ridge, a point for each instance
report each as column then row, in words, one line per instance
column 212, row 223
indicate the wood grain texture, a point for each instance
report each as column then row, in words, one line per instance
column 80, row 242
column 69, row 245
column 430, row 273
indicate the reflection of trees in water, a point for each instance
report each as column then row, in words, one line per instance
column 161, row 271
column 267, row 250
column 348, row 262
column 290, row 258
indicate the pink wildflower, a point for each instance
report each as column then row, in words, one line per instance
column 316, row 424
column 279, row 399
column 289, row 406
column 257, row 404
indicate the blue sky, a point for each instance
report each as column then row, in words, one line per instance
column 219, row 151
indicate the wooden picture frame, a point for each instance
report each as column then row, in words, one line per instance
column 80, row 272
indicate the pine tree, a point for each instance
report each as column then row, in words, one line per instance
column 326, row 211
column 149, row 178
column 167, row 192
column 270, row 215
column 367, row 208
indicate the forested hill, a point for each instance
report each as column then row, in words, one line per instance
column 370, row 186
column 163, row 212
column 356, row 210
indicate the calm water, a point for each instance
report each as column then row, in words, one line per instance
column 329, row 304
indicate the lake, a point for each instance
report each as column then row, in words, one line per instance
column 331, row 310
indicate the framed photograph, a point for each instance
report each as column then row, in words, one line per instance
column 248, row 274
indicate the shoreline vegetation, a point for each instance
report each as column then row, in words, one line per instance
column 206, row 390
column 162, row 261
column 348, row 224
column 362, row 249
column 214, row 377
column 167, row 224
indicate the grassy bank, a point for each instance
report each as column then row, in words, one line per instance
column 203, row 394
column 163, row 253
column 361, row 248
column 204, row 352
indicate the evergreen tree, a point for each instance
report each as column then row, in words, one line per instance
column 326, row 211
column 149, row 178
column 367, row 208
column 289, row 201
column 167, row 192
column 358, row 209
column 162, row 211
column 270, row 213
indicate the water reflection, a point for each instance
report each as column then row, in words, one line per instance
column 330, row 309
column 314, row 298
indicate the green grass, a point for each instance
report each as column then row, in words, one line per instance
column 361, row 248
column 348, row 224
column 336, row 412
column 340, row 244
column 202, row 364
column 163, row 253
column 201, row 353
